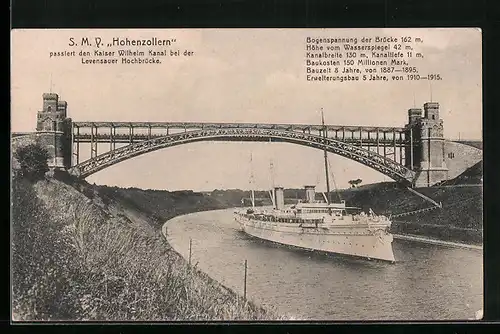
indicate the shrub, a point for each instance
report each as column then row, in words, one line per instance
column 64, row 176
column 32, row 160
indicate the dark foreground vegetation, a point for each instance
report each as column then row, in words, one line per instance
column 79, row 256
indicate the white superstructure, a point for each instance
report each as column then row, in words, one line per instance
column 320, row 226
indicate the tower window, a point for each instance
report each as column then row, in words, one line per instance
column 451, row 155
column 433, row 116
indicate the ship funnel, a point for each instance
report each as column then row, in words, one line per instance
column 310, row 194
column 279, row 198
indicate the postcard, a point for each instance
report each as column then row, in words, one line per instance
column 246, row 174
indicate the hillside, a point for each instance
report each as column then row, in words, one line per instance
column 473, row 143
column 100, row 259
column 473, row 175
column 462, row 206
column 460, row 219
column 161, row 205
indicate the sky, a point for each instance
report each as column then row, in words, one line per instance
column 240, row 75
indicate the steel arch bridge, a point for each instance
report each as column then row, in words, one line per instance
column 349, row 147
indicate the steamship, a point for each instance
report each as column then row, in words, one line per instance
column 323, row 225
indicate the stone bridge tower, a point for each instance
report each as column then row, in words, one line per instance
column 427, row 154
column 54, row 130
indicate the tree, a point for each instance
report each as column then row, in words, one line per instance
column 32, row 160
column 355, row 183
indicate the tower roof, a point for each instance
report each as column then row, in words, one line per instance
column 50, row 96
column 415, row 111
column 432, row 105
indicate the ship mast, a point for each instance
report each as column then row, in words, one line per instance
column 326, row 160
column 252, row 181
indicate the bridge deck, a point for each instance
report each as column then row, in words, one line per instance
column 200, row 125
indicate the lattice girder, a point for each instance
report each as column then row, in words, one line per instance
column 371, row 159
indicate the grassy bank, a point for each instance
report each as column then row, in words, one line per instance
column 462, row 206
column 159, row 205
column 78, row 256
column 459, row 220
column 440, row 232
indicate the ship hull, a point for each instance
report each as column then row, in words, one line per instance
column 357, row 241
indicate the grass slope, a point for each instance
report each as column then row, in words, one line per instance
column 472, row 175
column 158, row 204
column 459, row 220
column 78, row 256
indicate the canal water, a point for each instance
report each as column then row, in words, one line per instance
column 428, row 282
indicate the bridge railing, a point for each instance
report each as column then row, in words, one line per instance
column 209, row 125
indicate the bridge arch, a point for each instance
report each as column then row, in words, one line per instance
column 368, row 158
